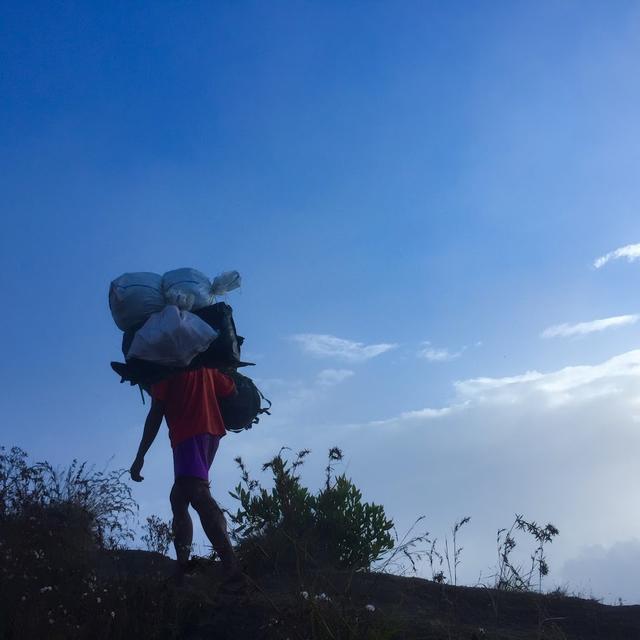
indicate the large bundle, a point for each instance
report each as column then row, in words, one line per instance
column 133, row 297
column 172, row 322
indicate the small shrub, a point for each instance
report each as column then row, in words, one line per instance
column 289, row 526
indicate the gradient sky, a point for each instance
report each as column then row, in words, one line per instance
column 415, row 194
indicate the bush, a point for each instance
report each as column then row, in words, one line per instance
column 158, row 535
column 101, row 501
column 289, row 526
column 53, row 524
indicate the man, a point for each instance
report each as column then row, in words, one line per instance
column 189, row 403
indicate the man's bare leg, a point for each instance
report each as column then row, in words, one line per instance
column 213, row 523
column 182, row 526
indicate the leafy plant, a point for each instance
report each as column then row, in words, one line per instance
column 158, row 535
column 516, row 577
column 288, row 525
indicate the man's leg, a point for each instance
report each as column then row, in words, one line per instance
column 181, row 525
column 213, row 523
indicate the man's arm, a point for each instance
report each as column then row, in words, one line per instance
column 151, row 428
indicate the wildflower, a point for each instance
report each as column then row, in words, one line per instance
column 113, row 614
column 370, row 608
column 45, row 589
column 98, row 600
column 305, row 594
column 324, row 597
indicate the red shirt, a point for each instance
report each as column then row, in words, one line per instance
column 190, row 401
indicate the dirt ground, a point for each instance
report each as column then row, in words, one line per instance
column 340, row 605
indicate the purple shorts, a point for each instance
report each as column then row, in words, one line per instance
column 193, row 457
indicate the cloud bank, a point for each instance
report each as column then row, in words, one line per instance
column 631, row 252
column 327, row 346
column 557, row 446
column 583, row 328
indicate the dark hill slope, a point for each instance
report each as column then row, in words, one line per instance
column 334, row 605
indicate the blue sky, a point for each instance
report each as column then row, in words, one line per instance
column 381, row 173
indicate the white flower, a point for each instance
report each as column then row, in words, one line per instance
column 113, row 614
column 98, row 600
column 45, row 589
column 305, row 594
column 370, row 607
column 324, row 597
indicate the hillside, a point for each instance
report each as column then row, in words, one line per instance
column 277, row 607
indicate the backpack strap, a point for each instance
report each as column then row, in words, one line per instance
column 262, row 410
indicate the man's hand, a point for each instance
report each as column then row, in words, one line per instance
column 136, row 468
column 151, row 426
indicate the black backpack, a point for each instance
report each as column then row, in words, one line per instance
column 243, row 410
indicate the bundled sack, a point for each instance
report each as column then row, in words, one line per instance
column 225, row 282
column 188, row 289
column 133, row 297
column 243, row 410
column 172, row 338
column 222, row 353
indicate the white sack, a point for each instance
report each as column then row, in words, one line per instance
column 133, row 297
column 227, row 281
column 187, row 289
column 172, row 337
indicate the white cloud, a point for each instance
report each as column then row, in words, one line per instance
column 331, row 377
column 573, row 384
column 436, row 354
column 556, row 446
column 583, row 328
column 328, row 346
column 631, row 252
column 419, row 414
